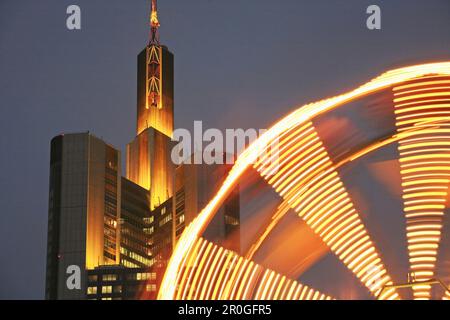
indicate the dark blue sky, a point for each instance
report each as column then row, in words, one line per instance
column 237, row 64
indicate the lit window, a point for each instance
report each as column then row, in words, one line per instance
column 109, row 277
column 148, row 220
column 163, row 210
column 142, row 276
column 231, row 220
column 150, row 287
column 106, row 289
column 165, row 220
column 92, row 290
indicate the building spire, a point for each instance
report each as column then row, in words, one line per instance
column 154, row 24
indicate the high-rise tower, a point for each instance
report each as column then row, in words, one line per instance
column 120, row 231
column 84, row 210
column 148, row 155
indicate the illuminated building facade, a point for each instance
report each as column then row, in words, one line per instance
column 119, row 230
column 135, row 221
column 102, row 223
column 148, row 155
column 84, row 208
column 120, row 283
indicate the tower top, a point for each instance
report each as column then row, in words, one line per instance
column 154, row 24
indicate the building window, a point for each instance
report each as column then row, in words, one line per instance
column 92, row 278
column 142, row 276
column 92, row 290
column 231, row 220
column 165, row 220
column 148, row 220
column 146, row 276
column 106, row 289
column 131, row 277
column 117, row 289
column 148, row 230
column 150, row 287
column 109, row 277
column 163, row 210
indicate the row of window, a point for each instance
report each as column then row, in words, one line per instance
column 150, row 287
column 105, row 289
column 116, row 289
column 109, row 277
column 165, row 220
column 136, row 257
column 149, row 230
column 148, row 220
column 128, row 264
column 146, row 276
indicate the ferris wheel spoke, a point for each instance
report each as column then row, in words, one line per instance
column 331, row 214
column 308, row 181
column 213, row 272
column 425, row 170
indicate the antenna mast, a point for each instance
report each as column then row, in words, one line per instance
column 154, row 24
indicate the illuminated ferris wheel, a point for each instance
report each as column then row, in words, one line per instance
column 389, row 244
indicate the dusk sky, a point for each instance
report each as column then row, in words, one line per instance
column 238, row 64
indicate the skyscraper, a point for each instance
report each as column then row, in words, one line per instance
column 148, row 155
column 84, row 209
column 120, row 231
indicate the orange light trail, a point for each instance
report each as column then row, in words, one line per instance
column 425, row 163
column 235, row 278
column 299, row 117
column 328, row 177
